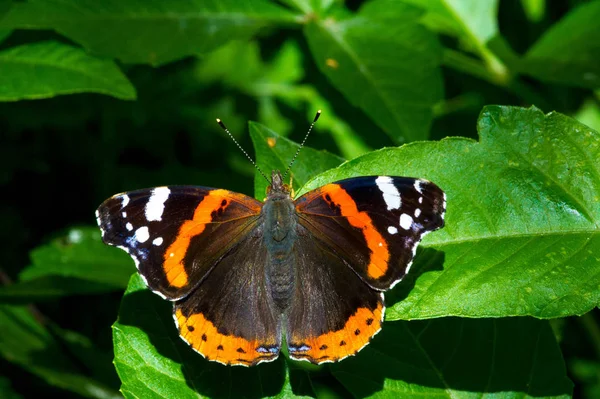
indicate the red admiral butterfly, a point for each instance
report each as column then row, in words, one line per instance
column 242, row 273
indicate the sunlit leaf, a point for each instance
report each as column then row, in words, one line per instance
column 385, row 63
column 156, row 31
column 48, row 69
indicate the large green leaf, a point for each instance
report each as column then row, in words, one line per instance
column 24, row 341
column 148, row 31
column 459, row 358
column 153, row 362
column 48, row 69
column 522, row 224
column 384, row 62
column 569, row 52
column 274, row 152
column 81, row 254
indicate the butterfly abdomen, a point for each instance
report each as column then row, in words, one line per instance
column 280, row 222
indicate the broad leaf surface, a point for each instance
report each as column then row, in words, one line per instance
column 83, row 255
column 153, row 362
column 385, row 63
column 568, row 53
column 459, row 358
column 148, row 31
column 25, row 342
column 522, row 222
column 48, row 69
column 274, row 152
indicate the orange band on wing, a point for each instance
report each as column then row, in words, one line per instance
column 173, row 259
column 336, row 345
column 378, row 263
column 203, row 336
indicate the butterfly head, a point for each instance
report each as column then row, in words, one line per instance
column 277, row 188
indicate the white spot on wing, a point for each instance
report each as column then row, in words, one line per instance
column 124, row 214
column 158, row 241
column 390, row 193
column 417, row 212
column 406, row 221
column 129, row 226
column 419, row 186
column 142, row 234
column 124, row 200
column 156, row 205
column 420, row 200
column 392, row 230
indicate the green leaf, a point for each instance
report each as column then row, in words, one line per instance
column 568, row 52
column 25, row 342
column 589, row 114
column 522, row 222
column 48, row 69
column 153, row 362
column 83, row 255
column 385, row 63
column 274, row 152
column 49, row 287
column 459, row 358
column 473, row 21
column 149, row 31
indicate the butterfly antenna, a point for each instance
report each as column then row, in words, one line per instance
column 241, row 149
column 302, row 144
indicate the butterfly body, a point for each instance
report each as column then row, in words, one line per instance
column 279, row 233
column 243, row 274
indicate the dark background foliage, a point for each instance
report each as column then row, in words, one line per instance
column 90, row 110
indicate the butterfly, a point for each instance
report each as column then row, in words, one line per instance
column 243, row 274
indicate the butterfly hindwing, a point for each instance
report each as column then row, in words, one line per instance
column 229, row 318
column 176, row 234
column 333, row 313
column 374, row 223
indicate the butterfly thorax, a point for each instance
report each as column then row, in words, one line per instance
column 280, row 222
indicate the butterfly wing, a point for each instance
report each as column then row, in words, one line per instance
column 229, row 318
column 176, row 235
column 373, row 223
column 333, row 313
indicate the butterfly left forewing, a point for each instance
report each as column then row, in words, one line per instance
column 374, row 223
column 176, row 234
